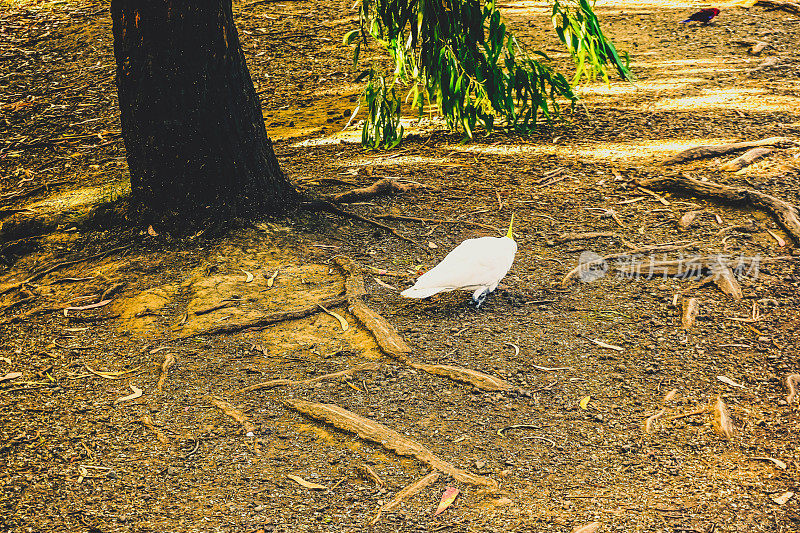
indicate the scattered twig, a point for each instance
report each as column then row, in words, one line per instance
column 215, row 307
column 369, row 472
column 407, row 492
column 606, row 345
column 341, row 375
column 655, row 195
column 700, row 411
column 465, row 375
column 566, row 237
column 169, row 360
column 147, row 421
column 235, row 414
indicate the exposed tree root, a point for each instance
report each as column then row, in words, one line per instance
column 341, row 375
column 266, row 320
column 389, row 216
column 382, row 187
column 12, row 305
column 386, row 437
column 324, row 205
column 791, row 7
column 601, row 262
column 706, row 151
column 14, row 286
column 389, row 341
column 30, row 314
column 787, row 215
column 746, row 159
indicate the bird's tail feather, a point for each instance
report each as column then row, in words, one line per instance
column 424, row 292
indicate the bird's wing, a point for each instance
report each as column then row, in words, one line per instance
column 473, row 263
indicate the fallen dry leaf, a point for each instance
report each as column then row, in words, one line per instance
column 234, row 413
column 669, row 396
column 85, row 307
column 782, row 498
column 777, row 462
column 110, row 375
column 337, row 316
column 781, row 242
column 722, row 420
column 584, row 403
column 729, row 381
column 449, row 496
column 249, row 277
column 687, row 219
column 306, row 484
column 10, row 376
column 271, row 279
column 136, row 393
column 588, row 528
column 607, row 346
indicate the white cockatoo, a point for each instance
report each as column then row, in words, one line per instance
column 474, row 265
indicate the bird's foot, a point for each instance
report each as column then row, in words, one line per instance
column 478, row 301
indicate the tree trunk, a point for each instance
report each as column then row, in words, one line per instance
column 192, row 123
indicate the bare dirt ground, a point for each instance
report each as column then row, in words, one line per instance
column 78, row 456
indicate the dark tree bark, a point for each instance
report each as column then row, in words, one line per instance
column 192, row 123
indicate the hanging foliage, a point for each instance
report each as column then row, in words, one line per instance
column 461, row 58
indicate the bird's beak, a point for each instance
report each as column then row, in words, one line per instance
column 510, row 234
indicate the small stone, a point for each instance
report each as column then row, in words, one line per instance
column 480, row 464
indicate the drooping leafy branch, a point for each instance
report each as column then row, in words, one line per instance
column 461, row 58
